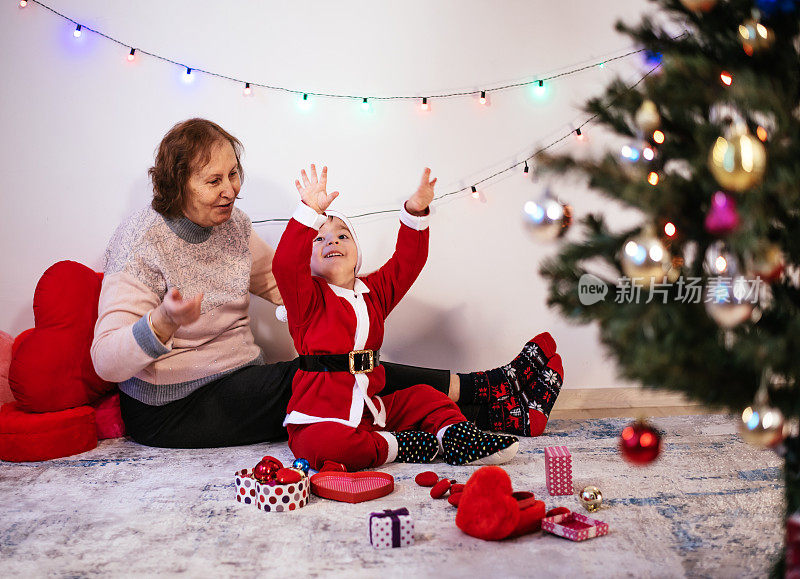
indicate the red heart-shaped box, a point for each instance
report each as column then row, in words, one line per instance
column 352, row 487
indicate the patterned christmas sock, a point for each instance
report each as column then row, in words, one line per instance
column 513, row 393
column 476, row 387
column 415, row 446
column 541, row 394
column 463, row 443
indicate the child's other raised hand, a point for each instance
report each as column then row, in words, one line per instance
column 312, row 191
column 418, row 203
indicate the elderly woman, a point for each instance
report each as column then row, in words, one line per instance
column 173, row 327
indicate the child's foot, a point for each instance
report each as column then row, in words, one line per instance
column 519, row 395
column 415, row 446
column 463, row 443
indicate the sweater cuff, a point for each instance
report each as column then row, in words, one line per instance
column 416, row 222
column 147, row 339
column 308, row 217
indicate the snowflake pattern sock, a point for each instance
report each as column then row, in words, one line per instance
column 476, row 387
column 541, row 394
column 416, row 446
column 463, row 443
column 514, row 393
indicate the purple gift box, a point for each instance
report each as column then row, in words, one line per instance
column 391, row 528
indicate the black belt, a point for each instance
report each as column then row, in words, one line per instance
column 355, row 362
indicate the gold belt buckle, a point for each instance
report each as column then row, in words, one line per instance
column 352, row 359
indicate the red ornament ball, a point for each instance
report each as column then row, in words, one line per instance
column 640, row 443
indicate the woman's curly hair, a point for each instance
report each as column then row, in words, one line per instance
column 185, row 148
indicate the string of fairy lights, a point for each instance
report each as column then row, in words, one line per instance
column 424, row 102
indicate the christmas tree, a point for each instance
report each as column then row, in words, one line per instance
column 703, row 296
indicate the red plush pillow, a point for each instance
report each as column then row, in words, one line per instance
column 51, row 369
column 26, row 437
column 5, row 361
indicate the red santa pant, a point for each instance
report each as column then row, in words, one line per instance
column 419, row 407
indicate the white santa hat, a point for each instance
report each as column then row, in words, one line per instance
column 280, row 312
column 349, row 225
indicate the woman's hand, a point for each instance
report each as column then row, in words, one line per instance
column 174, row 312
column 418, row 203
column 312, row 191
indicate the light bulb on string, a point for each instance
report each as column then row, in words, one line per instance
column 579, row 134
column 658, row 137
column 23, row 3
column 304, row 103
column 365, row 104
column 132, row 55
column 482, row 99
column 188, row 77
column 247, row 91
column 761, row 133
column 630, row 153
column 475, row 194
column 652, row 178
column 648, row 153
column 526, row 169
column 77, row 33
column 669, row 229
column 726, row 78
column 539, row 90
column 424, row 106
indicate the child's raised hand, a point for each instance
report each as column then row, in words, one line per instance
column 312, row 191
column 418, row 203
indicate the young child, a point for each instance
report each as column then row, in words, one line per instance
column 336, row 322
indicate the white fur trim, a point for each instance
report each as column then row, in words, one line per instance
column 308, row 217
column 391, row 440
column 416, row 222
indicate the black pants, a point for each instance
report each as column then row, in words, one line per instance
column 244, row 407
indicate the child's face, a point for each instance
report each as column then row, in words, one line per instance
column 334, row 253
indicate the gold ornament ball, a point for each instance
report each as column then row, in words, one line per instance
column 754, row 36
column 645, row 259
column 591, row 498
column 738, row 163
column 762, row 426
column 699, row 5
column 767, row 261
column 647, row 117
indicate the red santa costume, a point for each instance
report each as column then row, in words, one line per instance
column 338, row 415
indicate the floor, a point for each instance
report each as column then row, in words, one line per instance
column 710, row 506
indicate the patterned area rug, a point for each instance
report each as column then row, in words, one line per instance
column 710, row 506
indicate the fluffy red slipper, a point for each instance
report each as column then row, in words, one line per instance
column 486, row 509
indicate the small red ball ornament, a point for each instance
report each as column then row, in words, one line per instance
column 266, row 468
column 640, row 443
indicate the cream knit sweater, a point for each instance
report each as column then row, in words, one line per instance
column 149, row 254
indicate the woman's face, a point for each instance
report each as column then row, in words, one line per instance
column 213, row 188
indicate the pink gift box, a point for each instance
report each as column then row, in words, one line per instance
column 391, row 529
column 558, row 470
column 574, row 526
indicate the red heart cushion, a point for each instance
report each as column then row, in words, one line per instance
column 51, row 369
column 26, row 437
column 487, row 509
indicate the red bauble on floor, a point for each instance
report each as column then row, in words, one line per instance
column 640, row 443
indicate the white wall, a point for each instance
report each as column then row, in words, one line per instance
column 80, row 124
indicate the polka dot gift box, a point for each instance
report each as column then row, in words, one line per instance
column 391, row 528
column 271, row 498
column 558, row 470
